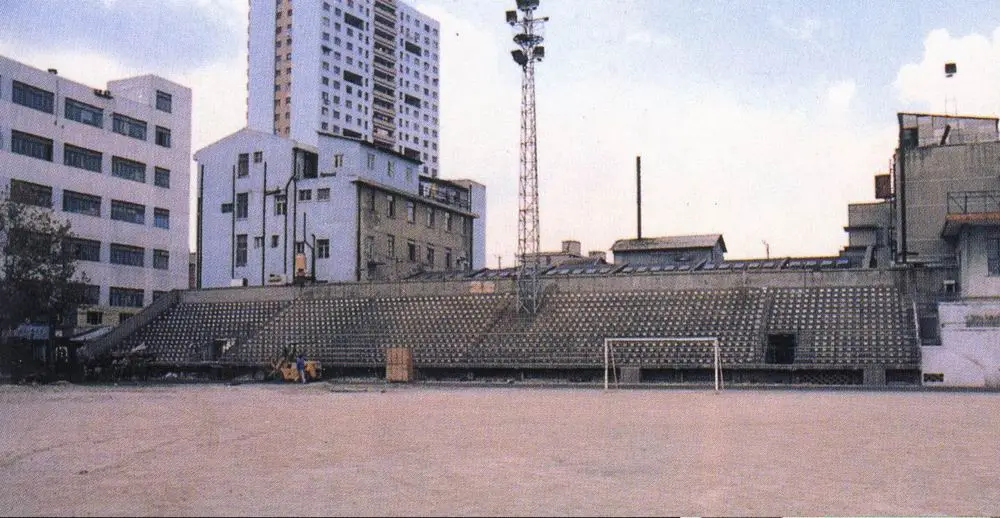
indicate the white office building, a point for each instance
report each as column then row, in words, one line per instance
column 362, row 69
column 115, row 163
column 273, row 210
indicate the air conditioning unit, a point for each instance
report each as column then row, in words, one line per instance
column 276, row 279
column 238, row 282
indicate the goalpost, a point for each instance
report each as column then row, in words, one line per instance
column 609, row 354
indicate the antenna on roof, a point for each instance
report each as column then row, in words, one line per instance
column 950, row 69
column 638, row 196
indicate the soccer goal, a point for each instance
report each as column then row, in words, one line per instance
column 610, row 368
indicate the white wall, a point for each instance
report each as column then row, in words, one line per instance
column 136, row 98
column 969, row 356
column 975, row 280
column 334, row 219
column 260, row 66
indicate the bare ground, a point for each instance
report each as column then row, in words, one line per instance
column 321, row 449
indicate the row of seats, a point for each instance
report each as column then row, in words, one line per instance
column 832, row 325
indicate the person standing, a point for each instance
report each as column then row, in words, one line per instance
column 300, row 364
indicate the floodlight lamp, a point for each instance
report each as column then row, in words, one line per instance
column 512, row 17
column 527, row 5
column 950, row 69
column 519, row 57
column 538, row 53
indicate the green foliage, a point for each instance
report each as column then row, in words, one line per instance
column 38, row 274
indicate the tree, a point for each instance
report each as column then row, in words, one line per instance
column 38, row 274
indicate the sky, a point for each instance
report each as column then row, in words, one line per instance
column 759, row 120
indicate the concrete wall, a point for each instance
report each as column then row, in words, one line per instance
column 582, row 284
column 135, row 98
column 969, row 354
column 378, row 225
column 931, row 173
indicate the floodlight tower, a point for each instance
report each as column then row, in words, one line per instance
column 528, row 38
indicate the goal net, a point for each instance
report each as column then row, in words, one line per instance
column 613, row 345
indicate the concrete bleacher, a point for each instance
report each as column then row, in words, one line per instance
column 186, row 332
column 471, row 325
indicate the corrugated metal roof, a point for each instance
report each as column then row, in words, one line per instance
column 668, row 243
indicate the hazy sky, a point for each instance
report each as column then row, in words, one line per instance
column 759, row 120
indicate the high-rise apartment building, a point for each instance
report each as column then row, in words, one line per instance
column 113, row 162
column 362, row 69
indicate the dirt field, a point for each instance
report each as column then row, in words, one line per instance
column 285, row 449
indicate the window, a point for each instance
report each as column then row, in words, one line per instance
column 371, row 158
column 161, row 218
column 411, row 212
column 84, row 249
column 280, row 204
column 338, row 161
column 390, row 205
column 31, row 145
column 409, row 174
column 30, row 193
column 461, row 224
column 161, row 259
column 126, row 297
column 411, row 251
column 258, row 242
column 306, row 164
column 127, row 255
column 83, row 112
column 390, row 246
column 300, row 247
column 430, row 217
column 82, row 158
column 80, row 203
column 162, row 136
column 242, row 205
column 91, row 294
column 993, row 255
column 157, row 294
column 430, row 257
column 161, row 177
column 371, row 201
column 258, row 157
column 323, row 194
column 305, row 195
column 35, row 98
column 447, row 221
column 128, row 169
column 95, row 318
column 447, row 258
column 322, row 248
column 274, row 240
column 128, row 212
column 241, row 250
column 164, row 101
column 227, row 208
column 243, row 164
column 388, row 167
column 128, row 126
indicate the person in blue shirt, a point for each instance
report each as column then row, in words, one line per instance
column 300, row 364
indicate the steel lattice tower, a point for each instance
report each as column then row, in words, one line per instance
column 528, row 39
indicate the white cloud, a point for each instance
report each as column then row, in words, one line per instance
column 650, row 39
column 973, row 90
column 839, row 95
column 801, row 29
